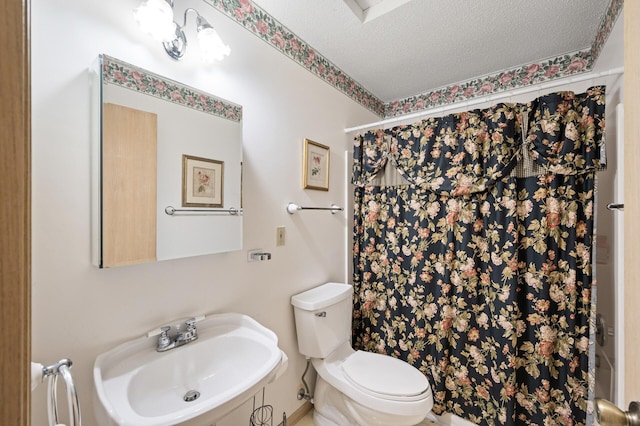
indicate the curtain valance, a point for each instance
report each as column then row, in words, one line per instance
column 566, row 132
column 467, row 152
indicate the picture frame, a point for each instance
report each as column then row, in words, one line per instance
column 315, row 173
column 202, row 182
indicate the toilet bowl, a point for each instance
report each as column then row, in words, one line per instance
column 354, row 387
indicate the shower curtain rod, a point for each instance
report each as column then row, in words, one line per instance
column 501, row 95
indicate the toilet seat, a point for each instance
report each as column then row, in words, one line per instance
column 377, row 399
column 385, row 377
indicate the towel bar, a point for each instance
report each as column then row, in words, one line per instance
column 52, row 373
column 170, row 210
column 292, row 208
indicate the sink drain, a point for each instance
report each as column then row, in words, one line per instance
column 192, row 395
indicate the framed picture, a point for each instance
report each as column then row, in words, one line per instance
column 316, row 166
column 202, row 182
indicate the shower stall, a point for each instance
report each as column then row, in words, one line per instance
column 609, row 266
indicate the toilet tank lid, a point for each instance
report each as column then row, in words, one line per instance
column 322, row 296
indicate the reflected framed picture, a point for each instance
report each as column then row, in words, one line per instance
column 202, row 182
column 315, row 173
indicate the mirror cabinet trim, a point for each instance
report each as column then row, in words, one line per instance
column 115, row 71
column 136, row 150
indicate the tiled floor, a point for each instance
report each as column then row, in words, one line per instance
column 308, row 421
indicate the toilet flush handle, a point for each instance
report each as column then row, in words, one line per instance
column 321, row 314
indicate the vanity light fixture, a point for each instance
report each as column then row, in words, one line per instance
column 155, row 17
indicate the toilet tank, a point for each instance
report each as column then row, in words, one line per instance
column 323, row 318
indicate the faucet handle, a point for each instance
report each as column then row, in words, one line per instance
column 190, row 332
column 163, row 338
column 197, row 318
column 157, row 331
column 164, row 332
column 191, row 322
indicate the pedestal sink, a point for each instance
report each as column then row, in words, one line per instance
column 233, row 357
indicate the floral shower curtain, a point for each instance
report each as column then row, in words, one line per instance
column 473, row 241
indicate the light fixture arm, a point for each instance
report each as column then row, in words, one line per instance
column 158, row 18
column 190, row 9
column 177, row 47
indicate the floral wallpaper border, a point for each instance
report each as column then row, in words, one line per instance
column 131, row 77
column 608, row 20
column 535, row 73
column 270, row 30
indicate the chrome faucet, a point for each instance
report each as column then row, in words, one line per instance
column 189, row 334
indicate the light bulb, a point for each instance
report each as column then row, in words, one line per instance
column 155, row 17
column 212, row 46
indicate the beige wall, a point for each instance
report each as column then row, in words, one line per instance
column 79, row 310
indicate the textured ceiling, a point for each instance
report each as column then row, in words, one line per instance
column 422, row 45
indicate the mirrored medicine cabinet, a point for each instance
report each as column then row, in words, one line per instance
column 166, row 168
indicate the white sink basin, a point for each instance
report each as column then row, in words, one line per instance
column 232, row 359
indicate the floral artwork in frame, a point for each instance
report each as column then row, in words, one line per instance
column 316, row 166
column 202, row 182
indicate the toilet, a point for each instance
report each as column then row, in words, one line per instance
column 354, row 387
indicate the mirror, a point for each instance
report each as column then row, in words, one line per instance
column 167, row 168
